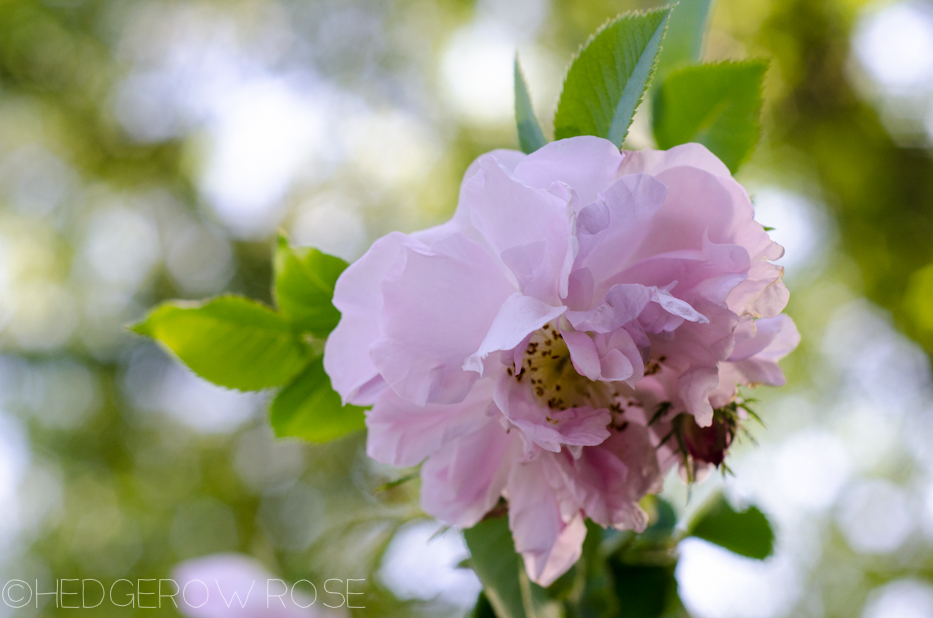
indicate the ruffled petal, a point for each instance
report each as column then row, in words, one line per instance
column 461, row 222
column 678, row 308
column 506, row 157
column 685, row 155
column 624, row 303
column 656, row 309
column 685, row 366
column 518, row 317
column 510, row 215
column 545, row 428
column 399, row 433
column 698, row 205
column 762, row 294
column 620, row 358
column 608, row 480
column 711, row 273
column 611, row 229
column 549, row 538
column 438, row 306
column 695, row 387
column 703, row 201
column 532, row 269
column 583, row 353
column 586, row 163
column 755, row 358
column 359, row 298
column 461, row 482
column 581, row 287
column 605, row 357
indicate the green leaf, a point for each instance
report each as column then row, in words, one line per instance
column 644, row 590
column 686, row 34
column 597, row 596
column 230, row 340
column 502, row 572
column 530, row 135
column 747, row 533
column 483, row 609
column 717, row 105
column 498, row 567
column 309, row 408
column 607, row 80
column 663, row 518
column 304, row 287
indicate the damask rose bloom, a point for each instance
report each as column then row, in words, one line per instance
column 521, row 349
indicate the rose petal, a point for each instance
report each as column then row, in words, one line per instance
column 518, row 317
column 461, row 482
column 549, row 541
column 608, row 480
column 691, row 155
column 630, row 205
column 549, row 429
column 586, row 163
column 695, row 386
column 509, row 214
column 402, row 434
column 755, row 359
column 359, row 298
column 438, row 306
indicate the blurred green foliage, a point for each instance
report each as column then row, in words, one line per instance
column 747, row 533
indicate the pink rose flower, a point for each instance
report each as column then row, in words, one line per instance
column 521, row 349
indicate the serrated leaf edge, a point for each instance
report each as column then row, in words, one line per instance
column 609, row 22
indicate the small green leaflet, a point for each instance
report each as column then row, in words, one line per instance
column 747, row 533
column 717, row 105
column 530, row 135
column 304, row 287
column 230, row 340
column 686, row 34
column 309, row 408
column 608, row 78
column 502, row 573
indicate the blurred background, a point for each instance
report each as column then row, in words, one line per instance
column 151, row 149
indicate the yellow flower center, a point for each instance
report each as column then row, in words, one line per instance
column 549, row 372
